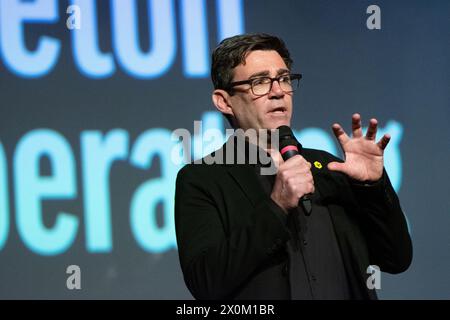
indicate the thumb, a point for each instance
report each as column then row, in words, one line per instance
column 276, row 156
column 336, row 166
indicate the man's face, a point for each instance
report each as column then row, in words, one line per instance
column 261, row 112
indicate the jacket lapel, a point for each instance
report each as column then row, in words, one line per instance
column 245, row 176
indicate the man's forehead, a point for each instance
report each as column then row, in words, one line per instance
column 261, row 63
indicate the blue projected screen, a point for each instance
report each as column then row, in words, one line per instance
column 91, row 92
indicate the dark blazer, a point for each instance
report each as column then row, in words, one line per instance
column 231, row 243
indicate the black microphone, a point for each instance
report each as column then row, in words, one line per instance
column 289, row 147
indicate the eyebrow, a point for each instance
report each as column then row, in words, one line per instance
column 266, row 73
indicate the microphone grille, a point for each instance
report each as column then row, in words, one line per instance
column 287, row 138
column 285, row 131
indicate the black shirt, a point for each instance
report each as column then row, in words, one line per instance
column 316, row 269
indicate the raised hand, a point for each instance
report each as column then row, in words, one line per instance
column 363, row 156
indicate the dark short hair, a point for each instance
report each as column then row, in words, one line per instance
column 234, row 50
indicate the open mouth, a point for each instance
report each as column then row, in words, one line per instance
column 279, row 110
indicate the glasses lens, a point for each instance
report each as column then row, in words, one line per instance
column 289, row 83
column 261, row 86
column 286, row 85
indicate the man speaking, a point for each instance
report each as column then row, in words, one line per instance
column 311, row 229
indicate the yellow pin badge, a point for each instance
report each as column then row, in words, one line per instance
column 317, row 164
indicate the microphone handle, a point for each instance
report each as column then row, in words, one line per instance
column 305, row 203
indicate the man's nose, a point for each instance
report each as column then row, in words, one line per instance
column 276, row 91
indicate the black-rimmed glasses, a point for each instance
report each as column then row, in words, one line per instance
column 261, row 86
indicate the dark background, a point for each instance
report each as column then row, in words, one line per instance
column 398, row 73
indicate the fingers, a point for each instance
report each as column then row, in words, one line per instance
column 298, row 183
column 372, row 129
column 297, row 163
column 356, row 129
column 294, row 179
column 384, row 141
column 309, row 189
column 356, row 125
column 336, row 166
column 296, row 168
column 340, row 133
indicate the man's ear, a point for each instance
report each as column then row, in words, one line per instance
column 221, row 100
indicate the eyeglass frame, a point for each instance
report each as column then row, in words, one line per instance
column 295, row 76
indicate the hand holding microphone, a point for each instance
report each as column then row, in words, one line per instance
column 294, row 182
